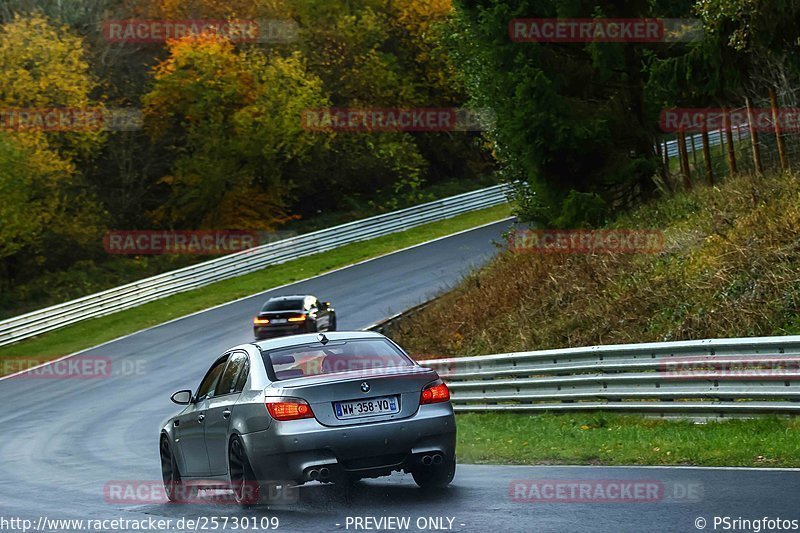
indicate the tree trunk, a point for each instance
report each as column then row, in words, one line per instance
column 731, row 147
column 773, row 101
column 759, row 169
column 682, row 148
column 707, row 157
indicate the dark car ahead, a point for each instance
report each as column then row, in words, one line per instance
column 289, row 315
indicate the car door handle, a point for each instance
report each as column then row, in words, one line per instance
column 226, row 413
column 200, row 418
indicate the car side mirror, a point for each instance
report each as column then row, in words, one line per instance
column 183, row 397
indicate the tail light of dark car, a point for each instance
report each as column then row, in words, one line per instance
column 284, row 409
column 436, row 392
column 260, row 321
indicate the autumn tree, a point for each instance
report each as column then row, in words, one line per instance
column 232, row 118
column 48, row 211
column 371, row 53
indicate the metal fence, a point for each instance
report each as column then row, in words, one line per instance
column 694, row 143
column 163, row 285
column 709, row 377
column 767, row 145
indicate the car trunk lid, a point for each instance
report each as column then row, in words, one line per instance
column 402, row 384
column 279, row 314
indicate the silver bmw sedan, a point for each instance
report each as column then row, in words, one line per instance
column 327, row 407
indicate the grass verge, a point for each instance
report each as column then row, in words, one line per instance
column 92, row 332
column 611, row 439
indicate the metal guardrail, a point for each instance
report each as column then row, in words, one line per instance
column 163, row 285
column 383, row 325
column 719, row 377
column 714, row 139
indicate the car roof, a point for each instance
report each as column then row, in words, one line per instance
column 291, row 297
column 309, row 338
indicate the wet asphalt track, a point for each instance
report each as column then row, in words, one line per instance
column 66, row 444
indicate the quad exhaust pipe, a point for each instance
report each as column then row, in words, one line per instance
column 324, row 473
column 321, row 474
column 435, row 459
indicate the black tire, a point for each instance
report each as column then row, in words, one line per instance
column 177, row 491
column 332, row 324
column 436, row 476
column 246, row 489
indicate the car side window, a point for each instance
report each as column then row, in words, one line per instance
column 228, row 381
column 242, row 380
column 210, row 381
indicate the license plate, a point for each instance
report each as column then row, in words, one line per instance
column 363, row 408
column 278, row 321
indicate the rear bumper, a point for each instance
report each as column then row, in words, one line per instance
column 289, row 451
column 264, row 332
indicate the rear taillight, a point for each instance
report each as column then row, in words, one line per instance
column 435, row 393
column 288, row 409
column 260, row 321
column 300, row 318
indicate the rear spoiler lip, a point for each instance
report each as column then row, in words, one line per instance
column 351, row 376
column 264, row 314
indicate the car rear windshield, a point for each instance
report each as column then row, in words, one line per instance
column 293, row 304
column 365, row 355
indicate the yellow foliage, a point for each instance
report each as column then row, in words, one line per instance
column 235, row 116
column 42, row 66
column 417, row 16
column 207, row 9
